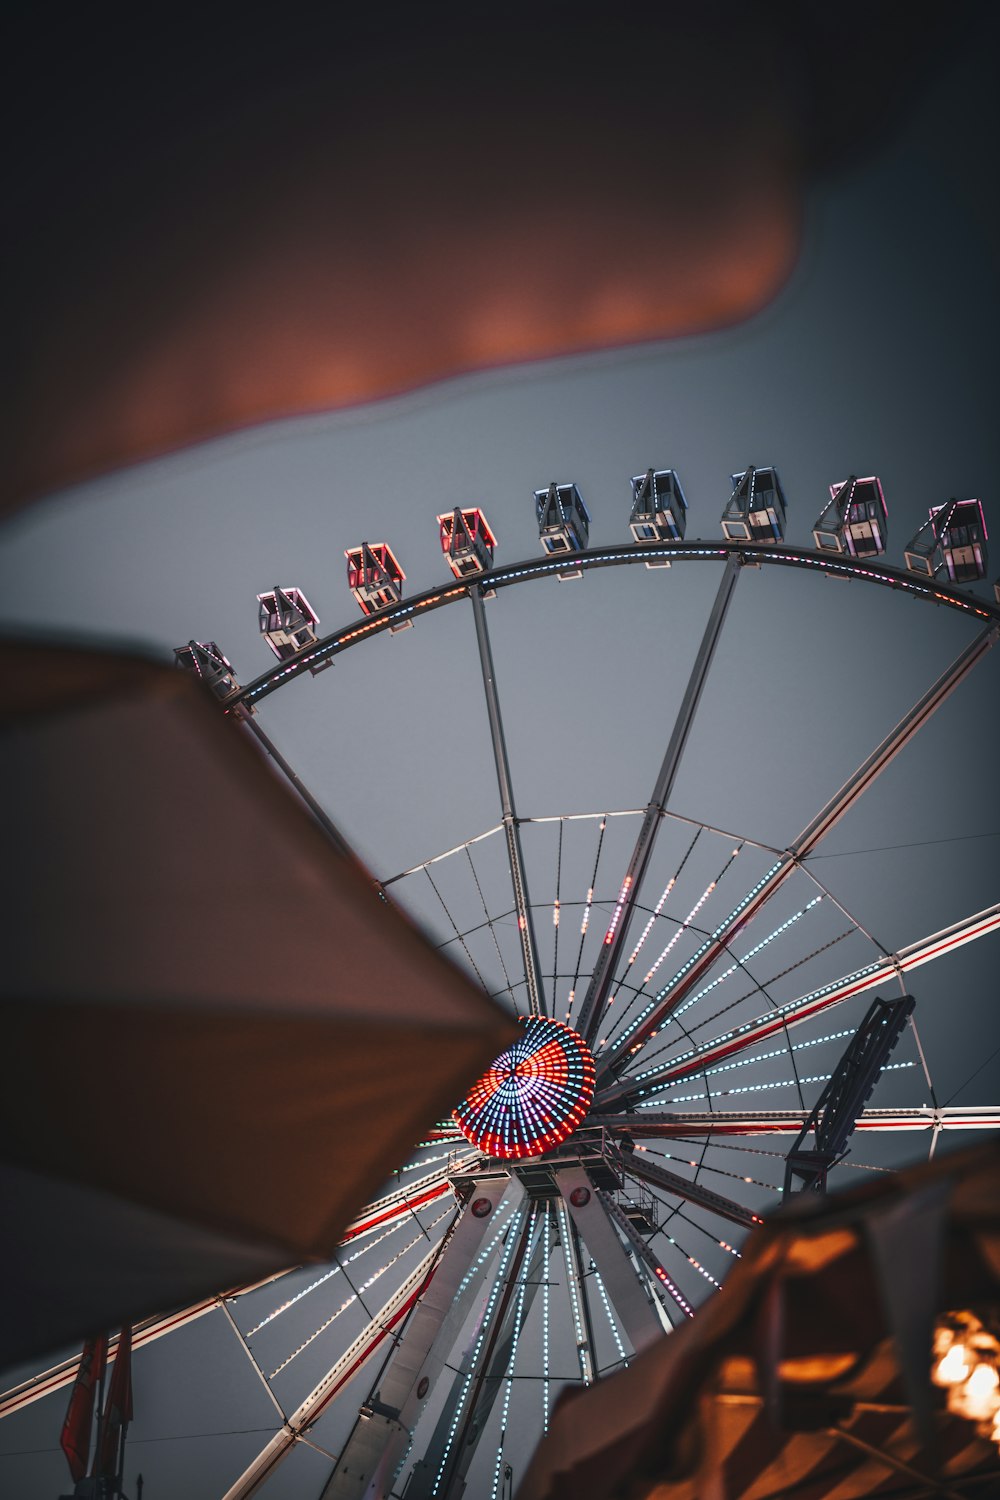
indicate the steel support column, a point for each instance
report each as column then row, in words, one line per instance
column 441, row 1471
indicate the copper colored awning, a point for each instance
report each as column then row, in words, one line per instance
column 802, row 1377
column 218, row 1040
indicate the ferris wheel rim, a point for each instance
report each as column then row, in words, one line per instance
column 884, row 575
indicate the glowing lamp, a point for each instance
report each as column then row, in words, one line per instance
column 967, row 1365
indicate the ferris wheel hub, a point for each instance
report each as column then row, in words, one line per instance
column 534, row 1096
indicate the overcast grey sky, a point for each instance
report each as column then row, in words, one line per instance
column 879, row 357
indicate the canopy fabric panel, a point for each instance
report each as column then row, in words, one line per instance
column 796, row 1380
column 217, row 1035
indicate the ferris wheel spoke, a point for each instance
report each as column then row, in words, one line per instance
column 459, row 936
column 687, row 925
column 680, row 1124
column 672, row 994
column 491, row 924
column 741, row 1039
column 692, row 1191
column 357, row 1292
column 588, row 906
column 738, row 965
column 592, row 1009
column 404, row 1201
column 511, row 826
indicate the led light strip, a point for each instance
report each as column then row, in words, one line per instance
column 509, row 1381
column 499, row 1281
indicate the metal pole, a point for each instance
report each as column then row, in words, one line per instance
column 589, row 1017
column 522, row 903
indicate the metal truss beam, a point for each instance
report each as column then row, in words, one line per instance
column 652, row 1017
column 676, row 1124
column 512, row 832
column 379, row 1439
column 692, row 1192
column 831, row 1121
column 628, row 1295
column 631, row 1090
column 589, row 1017
column 499, row 1368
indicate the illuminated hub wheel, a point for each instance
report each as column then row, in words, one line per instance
column 535, row 1094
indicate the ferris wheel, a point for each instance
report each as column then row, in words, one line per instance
column 704, row 1025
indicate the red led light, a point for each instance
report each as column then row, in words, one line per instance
column 534, row 1095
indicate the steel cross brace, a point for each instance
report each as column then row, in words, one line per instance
column 589, row 1017
column 658, row 1009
